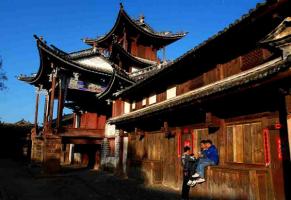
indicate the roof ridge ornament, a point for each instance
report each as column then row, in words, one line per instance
column 141, row 19
column 121, row 5
column 280, row 37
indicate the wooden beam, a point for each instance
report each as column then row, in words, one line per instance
column 70, row 140
column 82, row 132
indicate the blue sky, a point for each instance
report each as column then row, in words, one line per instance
column 64, row 22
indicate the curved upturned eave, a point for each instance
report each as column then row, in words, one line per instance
column 121, row 13
column 73, row 64
column 44, row 49
column 119, row 49
column 33, row 80
column 106, row 92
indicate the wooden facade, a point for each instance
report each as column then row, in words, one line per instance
column 231, row 89
column 138, row 112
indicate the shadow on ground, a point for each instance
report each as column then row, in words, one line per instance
column 20, row 181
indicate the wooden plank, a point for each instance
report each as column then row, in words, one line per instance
column 262, row 184
column 101, row 121
column 258, row 143
column 196, row 142
column 238, row 144
column 229, row 143
column 247, row 143
column 221, row 143
column 254, row 186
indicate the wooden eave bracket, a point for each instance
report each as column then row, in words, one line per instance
column 168, row 133
column 139, row 132
column 212, row 122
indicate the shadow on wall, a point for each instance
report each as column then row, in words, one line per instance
column 15, row 140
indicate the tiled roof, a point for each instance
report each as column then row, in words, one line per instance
column 140, row 26
column 66, row 58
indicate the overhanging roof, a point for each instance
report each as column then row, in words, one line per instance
column 248, row 77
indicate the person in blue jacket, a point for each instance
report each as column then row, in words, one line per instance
column 211, row 158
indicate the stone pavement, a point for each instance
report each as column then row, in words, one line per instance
column 20, row 182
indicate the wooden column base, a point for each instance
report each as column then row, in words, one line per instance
column 52, row 154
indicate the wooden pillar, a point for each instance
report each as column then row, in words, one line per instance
column 119, row 168
column 36, row 109
column 46, row 107
column 288, row 110
column 52, row 97
column 283, row 144
column 61, row 99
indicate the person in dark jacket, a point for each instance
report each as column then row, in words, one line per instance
column 187, row 160
column 211, row 158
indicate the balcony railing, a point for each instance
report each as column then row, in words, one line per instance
column 82, row 132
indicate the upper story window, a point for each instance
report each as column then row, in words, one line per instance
column 152, row 99
column 133, row 105
column 171, row 92
column 126, row 107
column 144, row 102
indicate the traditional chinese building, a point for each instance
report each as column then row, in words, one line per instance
column 234, row 89
column 85, row 82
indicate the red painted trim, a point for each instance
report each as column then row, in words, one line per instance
column 267, row 146
column 279, row 148
column 179, row 145
column 193, row 140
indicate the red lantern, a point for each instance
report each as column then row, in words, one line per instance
column 278, row 125
column 187, row 143
column 186, row 130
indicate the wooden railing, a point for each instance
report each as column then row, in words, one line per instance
column 233, row 182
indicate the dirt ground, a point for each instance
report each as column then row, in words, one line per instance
column 19, row 181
